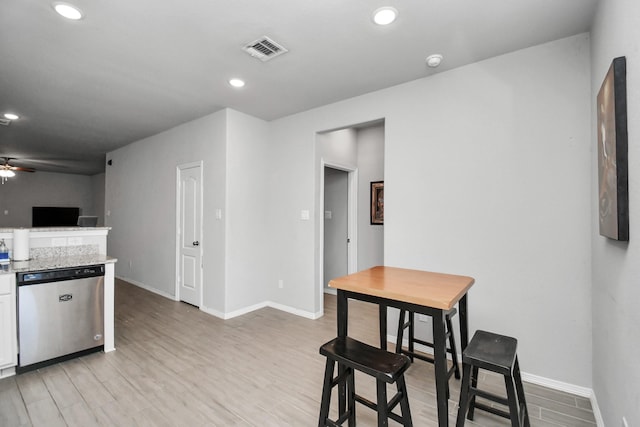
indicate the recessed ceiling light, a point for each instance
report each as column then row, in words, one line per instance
column 385, row 15
column 11, row 116
column 67, row 10
column 236, row 82
column 434, row 60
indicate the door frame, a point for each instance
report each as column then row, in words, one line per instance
column 179, row 169
column 352, row 222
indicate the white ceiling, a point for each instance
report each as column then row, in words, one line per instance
column 131, row 69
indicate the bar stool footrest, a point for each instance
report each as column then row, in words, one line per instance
column 493, row 410
column 491, row 396
column 427, row 358
column 339, row 421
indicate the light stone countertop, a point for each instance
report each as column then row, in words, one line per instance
column 40, row 229
column 56, row 262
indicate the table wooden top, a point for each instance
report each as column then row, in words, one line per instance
column 437, row 290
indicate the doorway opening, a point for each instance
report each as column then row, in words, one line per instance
column 349, row 160
column 338, row 224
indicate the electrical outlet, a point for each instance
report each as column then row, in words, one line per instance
column 280, row 284
column 130, row 265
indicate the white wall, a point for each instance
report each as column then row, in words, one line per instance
column 141, row 198
column 20, row 193
column 370, row 168
column 97, row 194
column 487, row 173
column 248, row 207
column 616, row 270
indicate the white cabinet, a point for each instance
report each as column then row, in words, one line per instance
column 8, row 340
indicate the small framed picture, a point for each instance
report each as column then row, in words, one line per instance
column 377, row 203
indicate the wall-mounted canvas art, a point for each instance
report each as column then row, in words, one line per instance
column 613, row 194
column 377, row 203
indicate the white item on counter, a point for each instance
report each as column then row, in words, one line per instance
column 21, row 244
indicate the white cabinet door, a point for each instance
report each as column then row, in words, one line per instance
column 8, row 346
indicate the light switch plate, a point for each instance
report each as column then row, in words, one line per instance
column 304, row 215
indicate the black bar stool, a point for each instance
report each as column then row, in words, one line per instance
column 385, row 366
column 409, row 351
column 495, row 353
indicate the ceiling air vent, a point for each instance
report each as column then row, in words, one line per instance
column 264, row 49
column 5, row 122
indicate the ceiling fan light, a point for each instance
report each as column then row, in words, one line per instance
column 67, row 10
column 7, row 173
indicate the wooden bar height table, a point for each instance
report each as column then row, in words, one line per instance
column 419, row 291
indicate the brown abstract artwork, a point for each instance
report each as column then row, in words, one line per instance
column 377, row 203
column 613, row 198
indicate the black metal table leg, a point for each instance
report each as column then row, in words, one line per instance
column 342, row 324
column 343, row 313
column 440, row 362
column 464, row 323
column 382, row 316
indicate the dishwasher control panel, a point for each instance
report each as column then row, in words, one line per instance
column 35, row 277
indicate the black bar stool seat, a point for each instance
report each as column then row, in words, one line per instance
column 412, row 340
column 495, row 353
column 386, row 367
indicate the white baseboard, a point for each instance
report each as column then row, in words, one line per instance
column 557, row 385
column 296, row 311
column 231, row 314
column 568, row 388
column 244, row 310
column 596, row 409
column 148, row 288
column 7, row 372
column 211, row 311
column 249, row 309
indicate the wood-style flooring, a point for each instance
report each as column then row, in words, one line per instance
column 177, row 366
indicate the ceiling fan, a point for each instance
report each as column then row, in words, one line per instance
column 8, row 171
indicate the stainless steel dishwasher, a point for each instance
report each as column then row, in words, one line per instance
column 60, row 315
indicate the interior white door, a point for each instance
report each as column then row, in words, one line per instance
column 190, row 235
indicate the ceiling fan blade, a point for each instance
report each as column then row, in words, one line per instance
column 17, row 168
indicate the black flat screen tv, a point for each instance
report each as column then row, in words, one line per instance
column 46, row 216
